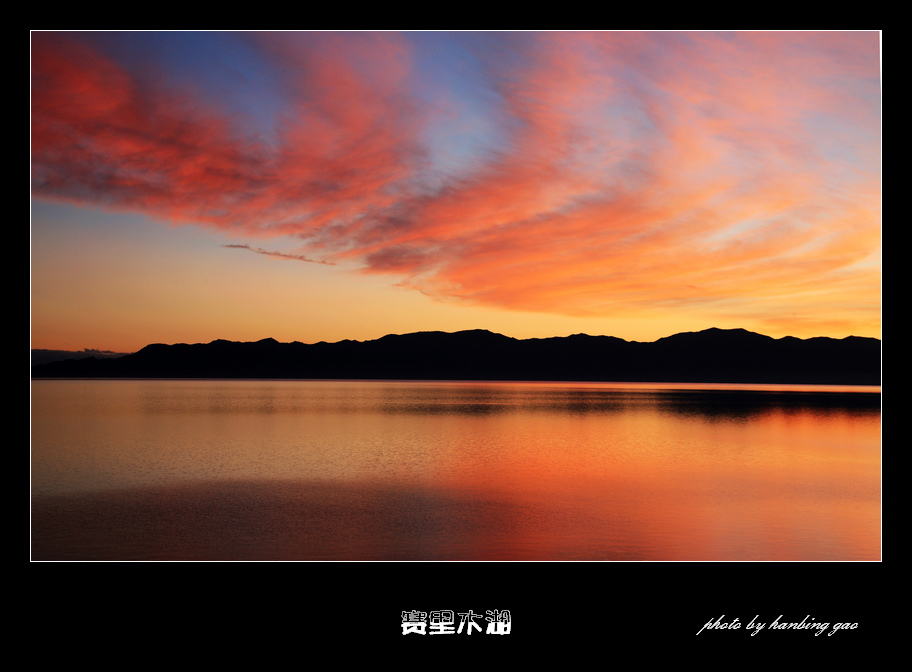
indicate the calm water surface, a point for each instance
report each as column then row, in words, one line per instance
column 342, row 470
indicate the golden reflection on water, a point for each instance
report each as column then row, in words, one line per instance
column 453, row 471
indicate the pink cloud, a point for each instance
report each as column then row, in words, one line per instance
column 101, row 135
column 635, row 169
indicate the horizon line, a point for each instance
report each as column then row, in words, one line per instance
column 459, row 331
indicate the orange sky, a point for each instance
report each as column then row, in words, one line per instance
column 534, row 184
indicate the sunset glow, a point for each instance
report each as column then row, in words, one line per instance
column 329, row 185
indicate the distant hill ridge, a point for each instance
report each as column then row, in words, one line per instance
column 712, row 355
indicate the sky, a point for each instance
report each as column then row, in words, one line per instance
column 321, row 186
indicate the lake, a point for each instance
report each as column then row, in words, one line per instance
column 397, row 470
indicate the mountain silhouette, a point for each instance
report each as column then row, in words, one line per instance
column 712, row 355
column 41, row 356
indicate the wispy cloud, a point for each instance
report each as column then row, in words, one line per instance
column 277, row 255
column 625, row 171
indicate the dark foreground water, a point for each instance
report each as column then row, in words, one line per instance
column 340, row 470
